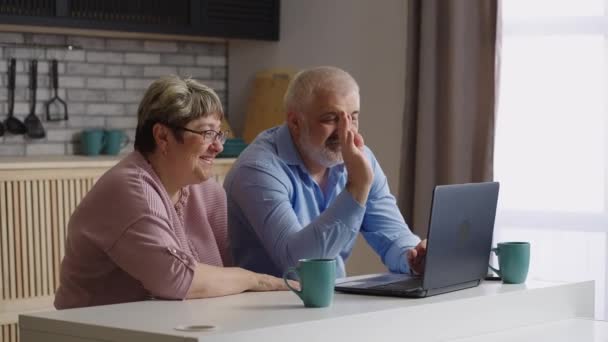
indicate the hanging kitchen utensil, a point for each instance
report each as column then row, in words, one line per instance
column 33, row 125
column 56, row 108
column 13, row 125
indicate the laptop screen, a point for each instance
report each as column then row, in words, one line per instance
column 460, row 231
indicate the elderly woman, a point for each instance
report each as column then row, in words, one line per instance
column 154, row 226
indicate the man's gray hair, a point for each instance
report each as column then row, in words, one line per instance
column 307, row 83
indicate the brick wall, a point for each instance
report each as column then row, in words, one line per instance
column 102, row 83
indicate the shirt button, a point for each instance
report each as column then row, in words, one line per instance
column 173, row 250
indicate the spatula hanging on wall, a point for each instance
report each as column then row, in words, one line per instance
column 56, row 108
column 33, row 126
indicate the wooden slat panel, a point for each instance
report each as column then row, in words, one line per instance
column 80, row 190
column 24, row 240
column 73, row 198
column 37, row 202
column 18, row 240
column 11, row 241
column 55, row 185
column 30, row 268
column 9, row 333
column 47, row 250
column 70, row 198
column 88, row 185
column 84, row 183
column 64, row 203
column 5, row 273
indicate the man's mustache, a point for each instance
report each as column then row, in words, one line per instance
column 332, row 140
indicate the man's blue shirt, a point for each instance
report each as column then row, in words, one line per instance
column 277, row 213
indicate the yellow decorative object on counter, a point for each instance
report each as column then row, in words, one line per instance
column 265, row 104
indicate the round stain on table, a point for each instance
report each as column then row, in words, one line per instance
column 196, row 327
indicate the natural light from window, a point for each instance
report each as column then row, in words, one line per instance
column 551, row 147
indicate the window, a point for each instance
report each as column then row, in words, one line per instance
column 551, row 150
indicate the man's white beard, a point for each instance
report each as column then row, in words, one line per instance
column 322, row 155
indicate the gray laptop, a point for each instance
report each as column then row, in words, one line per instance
column 459, row 235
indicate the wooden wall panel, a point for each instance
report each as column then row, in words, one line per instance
column 33, row 219
column 9, row 333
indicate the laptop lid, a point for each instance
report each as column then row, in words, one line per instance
column 460, row 233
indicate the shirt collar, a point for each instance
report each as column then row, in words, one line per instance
column 286, row 149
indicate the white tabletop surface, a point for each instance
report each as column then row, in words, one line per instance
column 250, row 311
column 570, row 330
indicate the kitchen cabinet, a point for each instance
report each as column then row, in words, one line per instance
column 37, row 197
column 246, row 19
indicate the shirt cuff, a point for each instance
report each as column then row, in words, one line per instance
column 187, row 275
column 396, row 257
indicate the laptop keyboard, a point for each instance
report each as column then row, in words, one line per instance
column 404, row 285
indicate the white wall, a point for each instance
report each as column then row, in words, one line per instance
column 364, row 37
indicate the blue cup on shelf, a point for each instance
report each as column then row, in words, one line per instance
column 92, row 141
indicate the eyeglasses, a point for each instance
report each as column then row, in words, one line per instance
column 209, row 135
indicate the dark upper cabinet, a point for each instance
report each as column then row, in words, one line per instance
column 256, row 19
column 247, row 19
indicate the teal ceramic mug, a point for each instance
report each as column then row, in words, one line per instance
column 115, row 140
column 317, row 279
column 513, row 261
column 92, row 141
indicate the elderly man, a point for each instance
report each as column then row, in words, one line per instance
column 307, row 188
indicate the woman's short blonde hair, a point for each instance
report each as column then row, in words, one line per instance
column 174, row 102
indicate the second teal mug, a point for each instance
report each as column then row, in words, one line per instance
column 317, row 279
column 115, row 140
column 513, row 261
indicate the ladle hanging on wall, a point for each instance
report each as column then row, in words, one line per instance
column 13, row 125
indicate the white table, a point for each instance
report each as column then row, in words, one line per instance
column 280, row 316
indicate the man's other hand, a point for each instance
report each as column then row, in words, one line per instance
column 416, row 256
